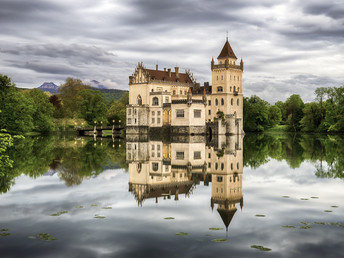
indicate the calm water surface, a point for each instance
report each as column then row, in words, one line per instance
column 165, row 198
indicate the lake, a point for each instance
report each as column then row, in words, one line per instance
column 278, row 195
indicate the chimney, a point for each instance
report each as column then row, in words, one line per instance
column 177, row 71
column 164, row 69
column 157, row 67
column 169, row 72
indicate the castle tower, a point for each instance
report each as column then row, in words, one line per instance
column 227, row 92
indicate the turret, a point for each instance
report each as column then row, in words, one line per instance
column 241, row 65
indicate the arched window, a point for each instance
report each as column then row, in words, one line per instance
column 234, row 88
column 216, row 102
column 222, row 166
column 232, row 102
column 155, row 101
column 139, row 100
column 230, row 88
column 237, row 102
column 231, row 166
column 216, row 166
column 222, row 101
column 220, row 89
column 155, row 166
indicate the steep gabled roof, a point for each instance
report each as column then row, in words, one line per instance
column 164, row 76
column 227, row 51
column 227, row 216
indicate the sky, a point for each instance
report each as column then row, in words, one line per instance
column 288, row 47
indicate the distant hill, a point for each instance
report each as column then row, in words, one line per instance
column 96, row 84
column 49, row 87
column 111, row 94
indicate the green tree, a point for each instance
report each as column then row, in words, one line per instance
column 6, row 86
column 43, row 110
column 256, row 114
column 283, row 108
column 92, row 106
column 16, row 115
column 117, row 110
column 70, row 97
column 294, row 105
column 312, row 117
column 275, row 115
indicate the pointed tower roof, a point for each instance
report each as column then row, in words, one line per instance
column 227, row 51
column 227, row 216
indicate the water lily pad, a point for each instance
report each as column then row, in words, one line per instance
column 31, row 237
column 215, row 228
column 288, row 226
column 320, row 223
column 305, row 223
column 59, row 213
column 303, row 199
column 79, row 207
column 182, row 234
column 219, row 240
column 99, row 216
column 315, row 197
column 334, row 224
column 327, row 211
column 5, row 234
column 305, row 227
column 260, row 215
column 334, row 206
column 4, row 230
column 260, row 247
column 46, row 237
column 169, row 218
column 94, row 205
column 107, row 208
column 286, row 196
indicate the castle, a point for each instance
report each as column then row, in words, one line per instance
column 174, row 100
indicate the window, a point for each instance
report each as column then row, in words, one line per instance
column 217, row 77
column 197, row 113
column 155, row 101
column 209, row 165
column 180, row 112
column 129, row 111
column 222, row 101
column 129, row 121
column 174, row 92
column 238, row 165
column 129, row 146
column 166, row 99
column 153, row 113
column 231, row 166
column 230, row 89
column 216, row 166
column 222, row 166
column 234, row 88
column 159, row 113
column 139, row 100
column 216, row 102
column 158, row 155
column 184, row 92
column 197, row 155
column 209, row 155
column 153, row 120
column 153, row 146
column 135, row 120
column 237, row 102
column 181, row 92
column 180, row 155
column 232, row 102
column 209, row 112
column 134, row 111
column 158, row 120
column 155, row 166
column 221, row 77
column 220, row 89
column 219, row 179
column 209, row 102
column 158, row 147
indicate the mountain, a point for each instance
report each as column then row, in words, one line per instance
column 96, row 84
column 49, row 87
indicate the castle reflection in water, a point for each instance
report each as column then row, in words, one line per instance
column 159, row 169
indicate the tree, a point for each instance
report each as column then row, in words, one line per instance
column 294, row 105
column 256, row 114
column 312, row 117
column 16, row 115
column 282, row 106
column 6, row 86
column 92, row 106
column 275, row 115
column 43, row 110
column 117, row 110
column 70, row 97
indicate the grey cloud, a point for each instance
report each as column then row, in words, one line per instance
column 335, row 10
column 48, row 68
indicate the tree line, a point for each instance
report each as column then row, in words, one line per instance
column 324, row 114
column 24, row 110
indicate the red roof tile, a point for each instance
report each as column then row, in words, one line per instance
column 163, row 76
column 227, row 51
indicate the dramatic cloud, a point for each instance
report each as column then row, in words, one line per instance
column 287, row 46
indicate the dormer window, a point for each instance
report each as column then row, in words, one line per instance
column 220, row 89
